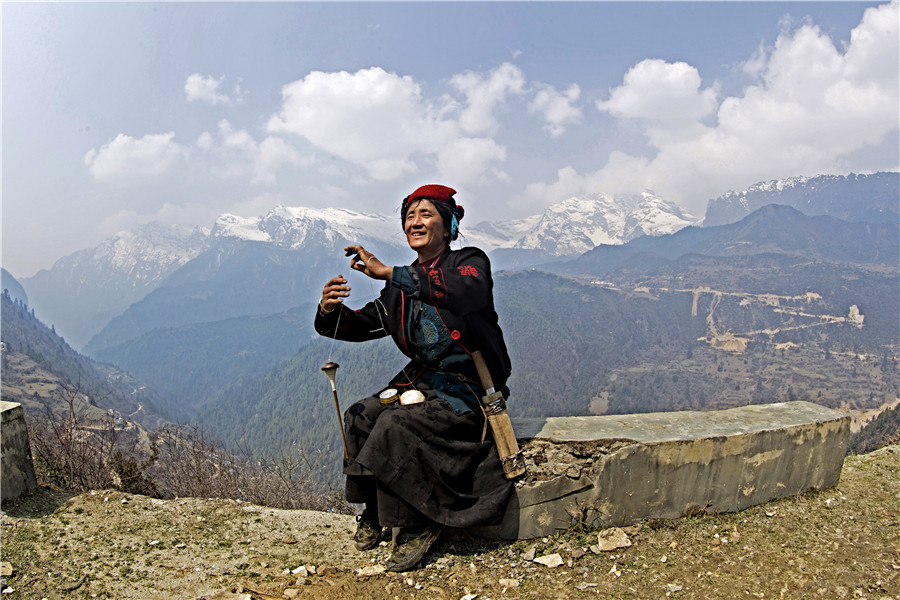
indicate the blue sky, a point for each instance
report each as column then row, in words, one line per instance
column 117, row 114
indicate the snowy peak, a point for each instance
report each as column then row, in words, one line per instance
column 81, row 291
column 834, row 195
column 489, row 235
column 580, row 223
column 294, row 227
column 145, row 253
column 139, row 256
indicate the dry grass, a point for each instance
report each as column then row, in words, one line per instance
column 837, row 543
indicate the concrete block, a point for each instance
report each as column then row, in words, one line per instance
column 17, row 466
column 616, row 470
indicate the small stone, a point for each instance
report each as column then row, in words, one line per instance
column 6, row 569
column 530, row 554
column 469, row 597
column 370, row 570
column 612, row 538
column 153, row 543
column 326, row 570
column 509, row 583
column 576, row 554
column 301, row 581
column 585, row 585
column 672, row 588
column 550, row 560
column 290, row 593
column 180, row 546
column 301, row 571
column 664, row 558
column 595, row 549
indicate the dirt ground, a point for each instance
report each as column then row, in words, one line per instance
column 837, row 543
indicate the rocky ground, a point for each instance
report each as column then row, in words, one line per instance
column 837, row 543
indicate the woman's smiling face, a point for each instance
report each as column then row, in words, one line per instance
column 424, row 228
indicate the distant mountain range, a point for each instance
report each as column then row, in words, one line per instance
column 267, row 264
column 160, row 277
column 84, row 290
column 856, row 198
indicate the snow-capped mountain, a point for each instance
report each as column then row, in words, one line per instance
column 834, row 195
column 83, row 290
column 580, row 223
column 490, row 235
column 292, row 227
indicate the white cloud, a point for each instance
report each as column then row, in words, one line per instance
column 372, row 118
column 484, row 92
column 206, row 88
column 557, row 107
column 381, row 122
column 127, row 160
column 465, row 160
column 665, row 94
column 809, row 107
column 243, row 157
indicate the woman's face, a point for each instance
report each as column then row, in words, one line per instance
column 425, row 231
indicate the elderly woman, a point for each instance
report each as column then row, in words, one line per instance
column 421, row 466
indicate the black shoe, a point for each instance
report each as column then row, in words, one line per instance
column 368, row 531
column 411, row 548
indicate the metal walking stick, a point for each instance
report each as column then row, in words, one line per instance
column 330, row 369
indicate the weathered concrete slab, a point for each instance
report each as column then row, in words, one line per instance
column 17, row 467
column 619, row 469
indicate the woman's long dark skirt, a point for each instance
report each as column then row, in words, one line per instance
column 423, row 460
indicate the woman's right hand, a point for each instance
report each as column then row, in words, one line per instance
column 334, row 293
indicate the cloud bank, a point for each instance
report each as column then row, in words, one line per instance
column 127, row 160
column 810, row 105
column 805, row 108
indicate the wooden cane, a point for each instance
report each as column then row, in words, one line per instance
column 495, row 408
column 330, row 369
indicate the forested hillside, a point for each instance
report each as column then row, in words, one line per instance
column 105, row 386
column 292, row 405
column 193, row 364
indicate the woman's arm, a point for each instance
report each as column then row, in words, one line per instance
column 335, row 320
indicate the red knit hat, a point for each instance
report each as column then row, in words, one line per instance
column 434, row 191
column 442, row 196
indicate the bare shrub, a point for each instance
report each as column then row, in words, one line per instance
column 71, row 449
column 190, row 464
column 79, row 447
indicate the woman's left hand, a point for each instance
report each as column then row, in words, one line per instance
column 365, row 262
